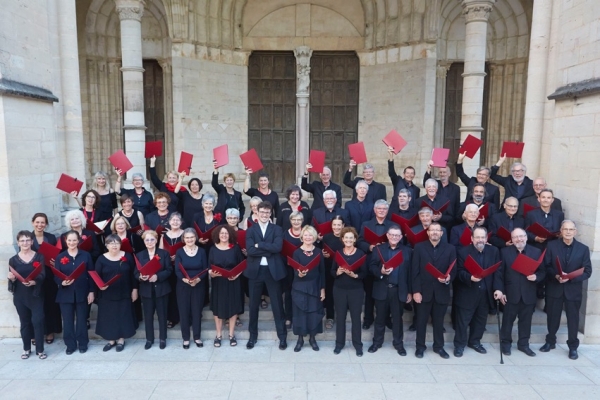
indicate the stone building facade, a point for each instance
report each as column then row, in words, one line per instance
column 82, row 79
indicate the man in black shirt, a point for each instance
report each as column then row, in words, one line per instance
column 359, row 209
column 436, row 200
column 539, row 184
column 377, row 190
column 507, row 219
column 545, row 216
column 483, row 177
column 517, row 185
column 317, row 188
column 406, row 182
column 447, row 189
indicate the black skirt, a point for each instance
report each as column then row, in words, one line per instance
column 116, row 319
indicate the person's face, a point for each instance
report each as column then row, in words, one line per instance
column 101, row 181
column 368, row 174
column 162, row 204
column 75, row 222
column 308, row 238
column 519, row 239
column 194, row 187
column 381, row 211
column 189, row 239
column 72, row 241
column 233, row 220
column 90, row 199
column 403, row 199
column 483, row 176
column 264, row 214
column 263, row 182
column 409, row 174
column 223, row 236
column 348, row 239
column 172, row 179
column 229, row 182
column 336, row 226
column 431, row 190
column 253, row 208
column 325, row 176
column 361, row 191
column 208, row 206
column 511, row 207
column 568, row 231
column 150, row 242
column 471, row 214
column 546, row 199
column 294, row 197
column 329, row 202
column 127, row 205
column 435, row 233
column 175, row 223
column 518, row 173
column 137, row 182
column 39, row 224
column 479, row 239
column 120, row 225
column 478, row 194
column 296, row 222
column 24, row 242
column 113, row 247
column 443, row 174
column 394, row 236
column 425, row 218
column 538, row 186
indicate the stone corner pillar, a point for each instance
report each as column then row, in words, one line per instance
column 302, row 54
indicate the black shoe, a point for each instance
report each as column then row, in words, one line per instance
column 527, row 351
column 478, row 348
column 120, row 347
column 162, row 344
column 83, row 350
column 337, row 350
column 506, row 351
column 148, row 345
column 109, row 346
column 359, row 352
column 458, row 352
column 401, row 350
column 412, row 328
column 69, row 352
column 442, row 353
column 299, row 344
column 186, row 346
column 199, row 343
column 419, row 353
column 88, row 324
column 282, row 344
column 366, row 326
column 373, row 348
column 313, row 343
column 547, row 347
column 250, row 344
column 573, row 354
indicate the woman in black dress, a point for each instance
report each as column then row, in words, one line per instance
column 227, row 196
column 348, row 291
column 207, row 218
column 142, row 199
column 291, row 235
column 116, row 317
column 334, row 242
column 294, row 203
column 263, row 191
column 190, row 201
column 232, row 215
column 226, row 296
column 52, row 317
column 171, row 238
column 74, row 295
column 308, row 291
column 160, row 217
column 28, row 297
column 135, row 218
column 120, row 227
column 190, row 291
column 90, row 203
column 154, row 289
column 167, row 187
column 108, row 197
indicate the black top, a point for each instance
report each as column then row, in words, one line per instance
column 143, row 202
column 400, row 276
column 502, row 219
column 108, row 202
column 514, row 284
column 376, row 191
column 161, row 287
column 153, row 220
column 438, row 201
column 401, row 183
column 322, row 215
column 551, row 221
column 491, row 190
column 122, row 287
column 225, row 200
column 315, row 278
column 572, row 257
column 375, row 227
column 133, row 219
column 344, row 281
column 272, row 198
column 535, row 202
column 162, row 187
column 359, row 212
column 226, row 259
column 317, row 188
column 285, row 210
column 440, row 256
column 48, row 238
column 24, row 269
column 467, row 293
column 189, row 207
column 78, row 291
column 192, row 265
column 450, row 192
column 95, row 252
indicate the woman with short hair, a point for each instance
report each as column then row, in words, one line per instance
column 190, row 201
column 227, row 196
column 142, row 199
column 167, row 187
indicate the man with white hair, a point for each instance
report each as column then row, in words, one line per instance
column 434, row 199
column 317, row 188
column 330, row 209
column 377, row 190
column 448, row 189
column 517, row 185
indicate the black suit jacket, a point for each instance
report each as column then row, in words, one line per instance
column 322, row 215
column 538, row 216
column 376, row 191
column 502, row 219
column 450, row 192
column 467, row 293
column 161, row 286
column 269, row 246
column 456, row 233
column 514, row 284
column 510, row 185
column 422, row 281
column 356, row 217
column 78, row 291
column 493, row 209
column 401, row 273
column 534, row 202
column 447, row 219
column 492, row 192
column 580, row 258
column 400, row 183
column 317, row 188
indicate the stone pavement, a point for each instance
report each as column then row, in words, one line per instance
column 268, row 373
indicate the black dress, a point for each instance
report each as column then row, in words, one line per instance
column 154, row 220
column 116, row 317
column 306, row 295
column 189, row 207
column 172, row 308
column 226, row 298
column 52, row 316
column 335, row 244
column 108, row 202
column 286, row 284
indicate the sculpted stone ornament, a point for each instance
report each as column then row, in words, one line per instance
column 303, row 54
column 477, row 11
column 128, row 9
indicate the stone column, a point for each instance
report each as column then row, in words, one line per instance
column 440, row 101
column 476, row 13
column 303, row 54
column 130, row 14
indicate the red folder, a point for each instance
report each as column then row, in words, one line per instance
column 221, row 155
column 393, row 262
column 394, row 140
column 150, row 268
column 251, row 160
column 172, row 249
column 49, row 252
column 87, row 244
column 126, row 246
column 241, row 238
column 357, row 152
column 185, row 162
column 405, row 223
column 317, row 160
column 341, row 262
column 74, row 275
column 288, row 248
column 296, row 265
column 204, row 235
column 465, row 238
column 36, row 271
column 470, row 146
column 525, row 265
column 436, row 273
column 120, row 161
column 69, row 184
column 137, row 228
column 153, row 149
column 570, row 275
column 329, row 250
column 99, row 282
column 504, row 234
column 484, row 211
column 229, row 273
column 527, row 208
column 439, row 156
column 372, row 238
column 97, row 227
column 322, row 229
column 539, row 230
column 415, row 238
column 475, row 269
column 441, row 209
column 185, row 274
column 512, row 149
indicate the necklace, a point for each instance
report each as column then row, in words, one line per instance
column 352, row 252
column 192, row 251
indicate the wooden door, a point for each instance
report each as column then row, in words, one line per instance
column 272, row 115
column 154, row 111
column 334, row 109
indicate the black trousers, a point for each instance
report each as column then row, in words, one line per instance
column 474, row 319
column 329, row 302
column 369, row 316
column 172, row 308
column 554, row 307
column 437, row 312
column 31, row 317
column 348, row 300
column 160, row 306
column 511, row 311
column 383, row 308
column 75, row 332
column 255, row 287
column 286, row 290
column 191, row 302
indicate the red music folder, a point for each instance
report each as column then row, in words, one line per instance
column 297, row 266
column 185, row 274
column 99, row 282
column 393, row 262
column 136, row 229
column 153, row 149
column 150, row 268
column 465, row 237
column 120, row 161
column 394, row 140
column 527, row 208
column 416, row 238
column 372, row 238
column 317, row 160
column 570, row 275
column 484, row 211
column 470, row 146
column 357, row 152
column 503, row 234
column 440, row 210
column 436, row 273
column 251, row 160
column 87, row 244
column 74, row 275
column 341, row 262
column 328, row 250
column 512, row 149
column 439, row 156
column 230, row 273
column 204, row 235
column 185, row 162
column 477, row 271
column 69, row 184
column 126, row 246
column 539, row 230
column 97, row 227
column 405, row 223
column 288, row 248
column 172, row 249
column 49, row 252
column 241, row 238
column 37, row 269
column 525, row 265
column 322, row 229
column 221, row 155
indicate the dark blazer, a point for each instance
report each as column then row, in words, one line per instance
column 492, row 192
column 447, row 216
column 376, row 191
column 402, row 273
column 467, row 292
column 356, row 217
column 95, row 251
column 538, row 216
column 400, row 183
column 48, row 238
column 534, row 202
column 456, row 233
column 375, row 227
column 153, row 220
column 322, row 215
column 161, row 286
column 450, row 192
column 422, row 281
column 78, row 291
column 269, row 246
column 222, row 197
column 514, row 284
column 493, row 209
column 502, row 219
column 317, row 188
column 580, row 258
column 510, row 185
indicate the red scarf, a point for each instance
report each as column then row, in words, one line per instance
column 171, row 188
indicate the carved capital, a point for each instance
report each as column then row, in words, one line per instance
column 477, row 10
column 130, row 9
column 303, row 54
column 442, row 70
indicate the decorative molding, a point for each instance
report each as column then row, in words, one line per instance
column 477, row 11
column 442, row 70
column 302, row 54
column 18, row 89
column 130, row 9
column 575, row 90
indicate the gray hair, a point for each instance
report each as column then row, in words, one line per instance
column 567, row 220
column 469, row 206
column 381, row 202
column 137, row 175
column 518, row 164
column 75, row 213
column 431, row 182
column 330, row 192
column 483, row 168
column 297, row 214
column 404, row 191
column 327, row 168
column 208, row 197
column 511, row 198
column 175, row 215
column 103, row 175
column 256, row 200
column 362, row 182
column 369, row 166
column 425, row 210
column 232, row 212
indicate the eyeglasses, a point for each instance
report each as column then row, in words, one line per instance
column 394, row 234
column 150, row 240
column 517, row 170
column 25, row 241
column 434, row 230
column 518, row 236
column 511, row 205
column 113, row 244
column 90, row 197
column 264, row 212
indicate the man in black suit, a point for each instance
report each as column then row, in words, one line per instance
column 406, row 182
column 517, row 292
column 508, row 219
column 447, row 189
column 331, row 209
column 561, row 292
column 482, row 177
column 264, row 241
column 478, row 195
column 539, row 184
column 517, row 185
column 436, row 200
column 317, row 188
column 432, row 295
column 377, row 190
column 359, row 209
column 391, row 288
column 547, row 217
column 473, row 295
